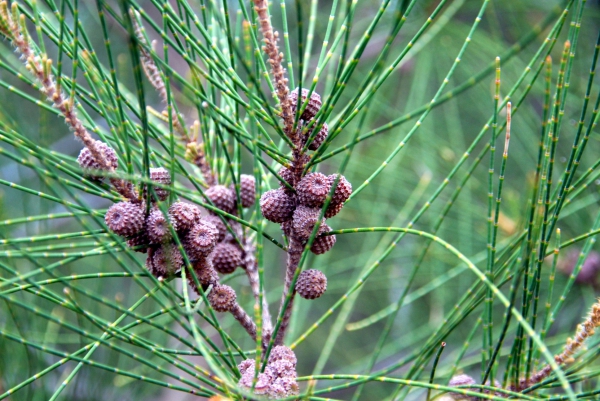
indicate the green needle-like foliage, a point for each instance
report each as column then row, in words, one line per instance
column 464, row 265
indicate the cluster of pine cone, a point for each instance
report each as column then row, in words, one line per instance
column 279, row 378
column 298, row 210
column 208, row 244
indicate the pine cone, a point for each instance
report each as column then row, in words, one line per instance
column 167, row 258
column 139, row 241
column 323, row 243
column 157, row 271
column 184, row 215
column 304, row 221
column 313, row 189
column 311, row 284
column 201, row 240
column 277, row 206
column 247, row 190
column 222, row 197
column 342, row 191
column 125, row 218
column 157, row 227
column 88, row 163
column 226, row 257
column 159, row 175
column 313, row 106
column 333, row 209
column 222, row 298
column 319, row 139
column 219, row 225
column 206, row 274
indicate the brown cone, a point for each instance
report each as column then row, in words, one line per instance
column 226, row 257
column 184, row 215
column 125, row 218
column 311, row 284
column 313, row 189
column 313, row 106
column 222, row 298
column 222, row 197
column 87, row 162
column 323, row 243
column 277, row 206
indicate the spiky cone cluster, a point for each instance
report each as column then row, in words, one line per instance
column 299, row 213
column 279, row 377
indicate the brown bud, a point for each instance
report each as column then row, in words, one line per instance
column 311, row 284
column 184, row 215
column 125, row 218
column 222, row 298
column 313, row 189
column 226, row 257
column 222, row 197
column 139, row 242
column 277, row 206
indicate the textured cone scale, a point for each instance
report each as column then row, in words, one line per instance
column 201, row 239
column 125, row 218
column 333, row 210
column 313, row 106
column 206, row 274
column 219, row 225
column 222, row 197
column 281, row 352
column 286, row 174
column 277, row 206
column 313, row 189
column 222, row 298
column 157, row 227
column 342, row 191
column 161, row 176
column 283, row 368
column 157, row 271
column 87, row 162
column 167, row 258
column 247, row 190
column 246, row 364
column 184, row 215
column 323, row 243
column 139, row 242
column 320, row 138
column 304, row 221
column 311, row 284
column 226, row 257
column 289, row 385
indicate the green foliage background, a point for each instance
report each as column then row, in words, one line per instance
column 429, row 185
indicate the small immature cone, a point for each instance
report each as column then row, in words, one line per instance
column 323, row 243
column 287, row 175
column 184, row 215
column 313, row 106
column 320, row 138
column 304, row 221
column 277, row 206
column 201, row 240
column 281, row 352
column 313, row 189
column 125, row 218
column 158, row 227
column 226, row 257
column 311, row 284
column 87, row 162
column 167, row 258
column 222, row 298
column 247, row 190
column 161, row 176
column 222, row 197
column 461, row 380
column 206, row 274
column 219, row 225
